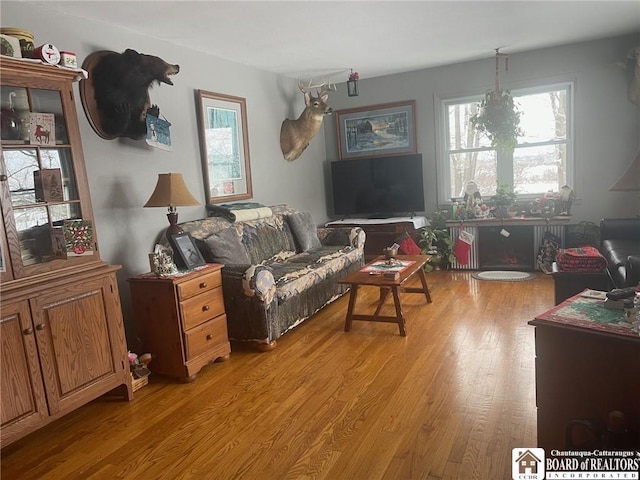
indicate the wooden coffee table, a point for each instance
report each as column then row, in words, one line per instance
column 360, row 278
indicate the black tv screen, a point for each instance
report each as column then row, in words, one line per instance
column 378, row 187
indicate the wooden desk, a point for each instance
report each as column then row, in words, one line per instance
column 359, row 278
column 587, row 365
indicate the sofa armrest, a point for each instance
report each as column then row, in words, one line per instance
column 253, row 280
column 632, row 269
column 342, row 236
column 250, row 302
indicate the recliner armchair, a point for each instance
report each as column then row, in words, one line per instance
column 620, row 245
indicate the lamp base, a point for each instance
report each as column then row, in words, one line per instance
column 174, row 228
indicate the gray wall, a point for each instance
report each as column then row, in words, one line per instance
column 122, row 173
column 607, row 125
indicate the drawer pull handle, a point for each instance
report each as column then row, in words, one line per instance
column 209, row 337
column 27, row 331
column 40, row 326
column 203, row 285
column 205, row 308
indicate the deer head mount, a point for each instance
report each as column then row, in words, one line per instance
column 632, row 62
column 295, row 135
column 633, row 59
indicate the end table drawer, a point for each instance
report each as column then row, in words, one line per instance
column 201, row 308
column 199, row 285
column 206, row 336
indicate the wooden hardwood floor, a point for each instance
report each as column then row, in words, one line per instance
column 449, row 401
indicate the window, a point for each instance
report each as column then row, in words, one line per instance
column 542, row 160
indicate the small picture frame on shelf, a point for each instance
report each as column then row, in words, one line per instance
column 48, row 185
column 185, row 252
column 78, row 237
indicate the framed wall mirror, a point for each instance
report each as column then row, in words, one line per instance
column 224, row 146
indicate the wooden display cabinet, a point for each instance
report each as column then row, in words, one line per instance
column 61, row 329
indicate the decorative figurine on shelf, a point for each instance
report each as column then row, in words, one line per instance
column 161, row 262
column 545, row 206
column 472, row 198
column 567, row 195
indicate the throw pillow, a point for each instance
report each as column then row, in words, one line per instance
column 304, row 230
column 226, row 247
column 407, row 246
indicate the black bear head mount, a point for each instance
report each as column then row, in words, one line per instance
column 115, row 96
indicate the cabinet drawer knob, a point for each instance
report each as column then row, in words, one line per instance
column 203, row 285
column 209, row 337
column 205, row 308
column 3, row 178
column 40, row 326
column 27, row 331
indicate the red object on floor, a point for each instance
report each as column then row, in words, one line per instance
column 408, row 246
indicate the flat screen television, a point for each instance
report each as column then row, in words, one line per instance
column 378, row 187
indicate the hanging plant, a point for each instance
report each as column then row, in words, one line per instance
column 498, row 117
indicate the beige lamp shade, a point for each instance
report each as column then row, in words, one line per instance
column 630, row 181
column 171, row 191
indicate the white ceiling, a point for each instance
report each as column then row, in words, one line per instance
column 327, row 38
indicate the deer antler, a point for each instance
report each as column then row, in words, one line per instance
column 324, row 89
column 320, row 88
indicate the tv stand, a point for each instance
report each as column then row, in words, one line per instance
column 379, row 216
column 382, row 232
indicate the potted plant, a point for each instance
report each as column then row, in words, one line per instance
column 499, row 119
column 436, row 241
column 503, row 200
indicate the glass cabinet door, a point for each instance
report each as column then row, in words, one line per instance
column 40, row 182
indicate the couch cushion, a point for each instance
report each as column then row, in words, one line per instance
column 226, row 247
column 304, row 231
column 264, row 239
column 304, row 270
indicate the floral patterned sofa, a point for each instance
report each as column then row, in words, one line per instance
column 279, row 269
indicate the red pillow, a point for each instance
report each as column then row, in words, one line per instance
column 408, row 246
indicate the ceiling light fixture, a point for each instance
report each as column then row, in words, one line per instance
column 352, row 84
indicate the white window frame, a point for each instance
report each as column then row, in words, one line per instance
column 504, row 165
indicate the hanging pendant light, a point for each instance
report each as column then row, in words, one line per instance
column 352, row 84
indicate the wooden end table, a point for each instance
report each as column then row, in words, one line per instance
column 359, row 278
column 587, row 366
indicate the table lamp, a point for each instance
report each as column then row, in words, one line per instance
column 171, row 192
column 630, row 181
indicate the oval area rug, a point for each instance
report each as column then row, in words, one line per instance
column 503, row 276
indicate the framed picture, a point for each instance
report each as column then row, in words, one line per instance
column 224, row 146
column 185, row 252
column 377, row 130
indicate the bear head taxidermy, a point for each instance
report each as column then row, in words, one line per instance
column 115, row 96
